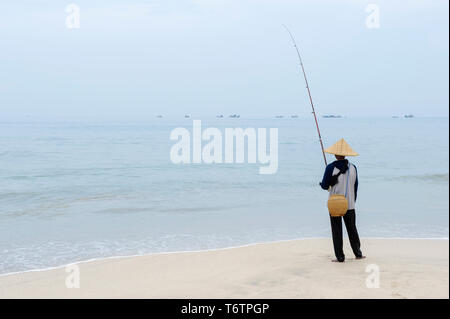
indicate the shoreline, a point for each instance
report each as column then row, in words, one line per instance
column 204, row 250
column 408, row 268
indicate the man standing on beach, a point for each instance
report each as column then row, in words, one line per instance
column 335, row 181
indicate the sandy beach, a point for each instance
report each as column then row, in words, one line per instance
column 408, row 268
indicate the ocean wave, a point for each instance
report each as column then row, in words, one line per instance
column 172, row 210
column 39, row 204
column 18, row 195
column 424, row 177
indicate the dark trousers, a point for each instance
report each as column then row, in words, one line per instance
column 336, row 230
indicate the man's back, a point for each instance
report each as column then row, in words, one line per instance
column 340, row 185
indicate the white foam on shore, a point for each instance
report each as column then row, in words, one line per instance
column 203, row 250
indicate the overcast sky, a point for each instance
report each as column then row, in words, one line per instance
column 207, row 57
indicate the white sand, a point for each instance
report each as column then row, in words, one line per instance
column 416, row 268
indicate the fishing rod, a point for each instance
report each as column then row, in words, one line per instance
column 309, row 92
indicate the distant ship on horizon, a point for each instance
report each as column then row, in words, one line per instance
column 331, row 116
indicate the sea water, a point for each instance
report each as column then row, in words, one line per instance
column 73, row 191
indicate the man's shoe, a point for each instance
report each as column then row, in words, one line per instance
column 337, row 261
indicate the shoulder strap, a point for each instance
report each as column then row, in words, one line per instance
column 348, row 176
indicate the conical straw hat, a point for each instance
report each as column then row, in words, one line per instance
column 342, row 148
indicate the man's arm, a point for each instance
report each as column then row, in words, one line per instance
column 325, row 184
column 356, row 183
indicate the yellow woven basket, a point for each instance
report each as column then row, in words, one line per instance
column 337, row 205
